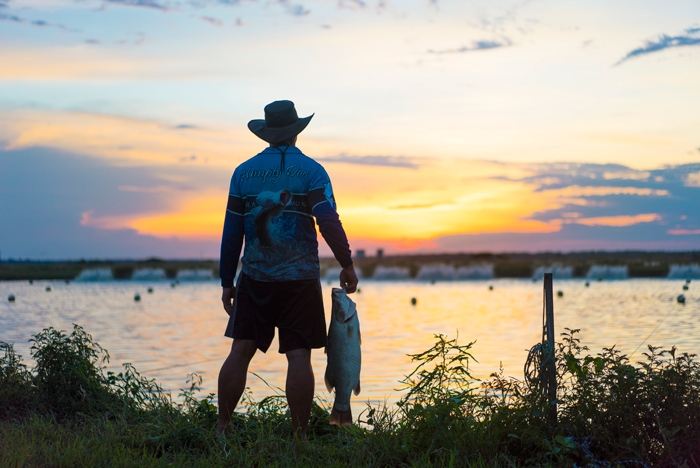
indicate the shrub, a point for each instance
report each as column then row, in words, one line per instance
column 608, row 409
column 68, row 376
column 648, row 412
column 15, row 380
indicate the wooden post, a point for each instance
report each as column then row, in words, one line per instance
column 551, row 370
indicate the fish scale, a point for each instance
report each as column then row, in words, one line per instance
column 344, row 356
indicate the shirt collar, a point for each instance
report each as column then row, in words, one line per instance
column 290, row 150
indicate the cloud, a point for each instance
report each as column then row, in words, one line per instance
column 140, row 39
column 622, row 220
column 36, row 23
column 156, row 189
column 11, row 18
column 386, row 161
column 293, row 9
column 683, row 232
column 56, row 204
column 476, row 45
column 613, row 195
column 599, row 207
column 689, row 37
column 141, row 4
column 210, row 20
column 419, row 206
column 693, row 180
column 351, row 4
column 297, row 10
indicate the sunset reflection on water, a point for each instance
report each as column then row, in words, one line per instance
column 176, row 331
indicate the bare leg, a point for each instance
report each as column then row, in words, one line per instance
column 300, row 389
column 232, row 379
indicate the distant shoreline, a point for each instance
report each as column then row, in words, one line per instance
column 592, row 264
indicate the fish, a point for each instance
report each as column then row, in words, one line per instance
column 344, row 356
column 270, row 205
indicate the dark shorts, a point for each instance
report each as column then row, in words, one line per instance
column 295, row 307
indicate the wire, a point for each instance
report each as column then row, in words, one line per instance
column 652, row 332
column 184, row 364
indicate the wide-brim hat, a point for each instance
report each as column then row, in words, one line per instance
column 281, row 122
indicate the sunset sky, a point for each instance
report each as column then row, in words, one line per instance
column 445, row 126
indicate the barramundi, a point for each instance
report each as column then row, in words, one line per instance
column 344, row 356
column 269, row 205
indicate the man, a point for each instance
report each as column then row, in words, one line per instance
column 273, row 200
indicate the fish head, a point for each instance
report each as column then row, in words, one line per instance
column 344, row 308
column 269, row 199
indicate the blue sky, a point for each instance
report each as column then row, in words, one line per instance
column 131, row 115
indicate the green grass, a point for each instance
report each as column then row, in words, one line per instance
column 67, row 411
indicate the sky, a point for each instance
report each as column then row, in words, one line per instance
column 445, row 125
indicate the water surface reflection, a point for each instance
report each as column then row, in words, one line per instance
column 176, row 331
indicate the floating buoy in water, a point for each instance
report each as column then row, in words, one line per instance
column 358, row 291
column 490, row 288
column 414, row 301
column 48, row 288
column 587, row 284
column 172, row 285
column 687, row 281
column 534, row 280
column 31, row 281
column 560, row 293
column 685, row 287
column 681, row 299
column 137, row 297
column 67, row 281
column 11, row 298
column 150, row 290
column 600, row 279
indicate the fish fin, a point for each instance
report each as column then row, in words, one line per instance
column 341, row 418
column 325, row 350
column 357, row 390
column 359, row 336
column 328, row 383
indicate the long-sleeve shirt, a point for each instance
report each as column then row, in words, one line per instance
column 273, row 200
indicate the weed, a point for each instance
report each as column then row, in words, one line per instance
column 67, row 412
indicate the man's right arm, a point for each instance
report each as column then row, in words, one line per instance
column 322, row 201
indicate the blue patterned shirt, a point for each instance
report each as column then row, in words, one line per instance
column 273, row 200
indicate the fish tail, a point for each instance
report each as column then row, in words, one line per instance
column 341, row 418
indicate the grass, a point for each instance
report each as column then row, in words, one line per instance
column 67, row 411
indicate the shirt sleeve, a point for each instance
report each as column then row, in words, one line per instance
column 232, row 238
column 323, row 208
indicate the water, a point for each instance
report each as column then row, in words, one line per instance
column 176, row 331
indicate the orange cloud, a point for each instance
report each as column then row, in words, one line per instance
column 578, row 191
column 131, row 141
column 683, row 232
column 441, row 198
column 406, row 207
column 617, row 221
column 693, row 180
column 198, row 219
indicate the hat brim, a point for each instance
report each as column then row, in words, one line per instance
column 278, row 134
